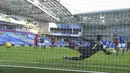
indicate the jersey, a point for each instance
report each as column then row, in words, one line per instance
column 36, row 40
column 116, row 41
column 53, row 39
column 70, row 42
column 94, row 48
column 121, row 39
column 128, row 44
column 41, row 40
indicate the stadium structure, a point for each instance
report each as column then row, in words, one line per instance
column 21, row 20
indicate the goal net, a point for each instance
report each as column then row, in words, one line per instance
column 88, row 42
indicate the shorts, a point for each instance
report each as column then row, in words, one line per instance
column 43, row 44
column 121, row 45
column 128, row 45
column 116, row 44
column 71, row 47
column 36, row 43
column 53, row 43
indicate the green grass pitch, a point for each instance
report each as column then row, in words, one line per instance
column 30, row 57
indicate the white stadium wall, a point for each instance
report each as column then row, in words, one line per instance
column 44, row 27
column 52, row 25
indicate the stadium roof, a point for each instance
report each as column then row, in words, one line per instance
column 85, row 6
column 111, row 17
column 53, row 10
column 45, row 10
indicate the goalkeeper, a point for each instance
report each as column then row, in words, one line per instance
column 86, row 52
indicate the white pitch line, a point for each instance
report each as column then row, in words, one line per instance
column 50, row 69
column 66, row 64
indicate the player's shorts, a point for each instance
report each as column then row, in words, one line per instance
column 128, row 45
column 116, row 44
column 36, row 43
column 121, row 45
column 43, row 44
column 53, row 43
column 71, row 47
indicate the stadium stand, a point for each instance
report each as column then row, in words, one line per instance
column 20, row 38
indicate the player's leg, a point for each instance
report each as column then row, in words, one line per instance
column 53, row 45
column 70, row 47
column 75, row 58
column 44, row 46
column 116, row 49
column 127, row 48
column 123, row 50
column 119, row 46
column 36, row 45
column 115, row 46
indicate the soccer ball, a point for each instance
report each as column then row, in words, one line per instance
column 8, row 45
column 114, row 51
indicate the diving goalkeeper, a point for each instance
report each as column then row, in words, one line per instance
column 86, row 52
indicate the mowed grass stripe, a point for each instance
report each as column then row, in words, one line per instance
column 53, row 58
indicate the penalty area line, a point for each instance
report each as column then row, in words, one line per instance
column 50, row 69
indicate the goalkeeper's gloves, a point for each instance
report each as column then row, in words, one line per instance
column 65, row 57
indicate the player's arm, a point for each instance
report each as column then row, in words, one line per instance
column 106, row 52
column 74, row 58
column 94, row 46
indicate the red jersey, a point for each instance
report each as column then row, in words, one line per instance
column 36, row 39
column 70, row 42
column 53, row 39
column 116, row 40
column 128, row 44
